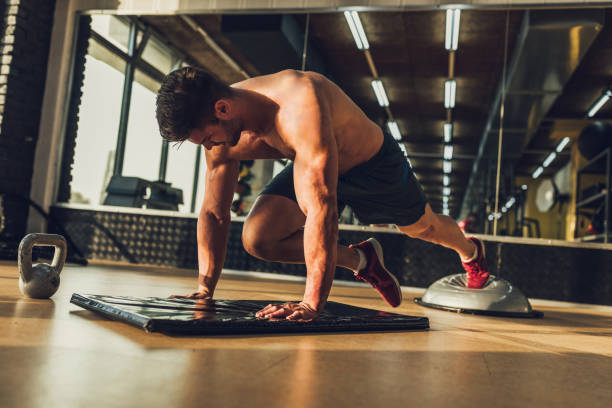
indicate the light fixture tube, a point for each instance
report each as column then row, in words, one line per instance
column 445, row 211
column 510, row 202
column 450, row 89
column 360, row 30
column 446, row 191
column 394, row 130
column 453, row 17
column 446, row 166
column 562, row 144
column 448, row 152
column 403, row 149
column 446, row 180
column 379, row 91
column 549, row 159
column 599, row 103
column 448, row 132
column 537, row 172
column 354, row 23
column 445, row 200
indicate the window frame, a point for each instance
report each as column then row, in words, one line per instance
column 133, row 60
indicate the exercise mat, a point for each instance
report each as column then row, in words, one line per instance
column 189, row 316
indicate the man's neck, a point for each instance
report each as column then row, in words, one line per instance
column 256, row 111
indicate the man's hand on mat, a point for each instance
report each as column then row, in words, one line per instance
column 290, row 311
column 195, row 295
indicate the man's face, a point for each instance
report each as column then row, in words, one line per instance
column 224, row 132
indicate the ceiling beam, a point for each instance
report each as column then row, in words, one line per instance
column 151, row 7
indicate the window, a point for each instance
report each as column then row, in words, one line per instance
column 97, row 129
column 110, row 70
column 113, row 29
column 143, row 142
column 158, row 55
column 181, row 170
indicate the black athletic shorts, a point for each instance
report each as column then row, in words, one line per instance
column 383, row 190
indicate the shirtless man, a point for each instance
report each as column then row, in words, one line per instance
column 339, row 156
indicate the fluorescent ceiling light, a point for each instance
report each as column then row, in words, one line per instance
column 354, row 23
column 510, row 202
column 549, row 159
column 450, row 89
column 447, row 167
column 599, row 103
column 504, row 209
column 446, row 191
column 453, row 17
column 445, row 200
column 394, row 130
column 537, row 173
column 492, row 216
column 379, row 90
column 445, row 211
column 524, row 187
column 448, row 152
column 446, row 180
column 448, row 132
column 403, row 149
column 562, row 144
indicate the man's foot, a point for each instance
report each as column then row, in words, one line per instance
column 477, row 272
column 376, row 274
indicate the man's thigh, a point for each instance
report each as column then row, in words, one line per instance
column 274, row 217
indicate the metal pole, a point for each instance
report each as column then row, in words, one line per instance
column 125, row 103
column 501, row 126
column 163, row 161
column 305, row 49
column 607, row 197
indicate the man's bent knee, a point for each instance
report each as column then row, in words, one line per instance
column 424, row 226
column 255, row 242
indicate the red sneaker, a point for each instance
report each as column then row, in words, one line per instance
column 376, row 274
column 477, row 272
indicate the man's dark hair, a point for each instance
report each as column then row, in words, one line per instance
column 185, row 100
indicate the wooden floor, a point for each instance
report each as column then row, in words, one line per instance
column 54, row 354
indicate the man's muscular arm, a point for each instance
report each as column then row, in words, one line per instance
column 214, row 222
column 306, row 128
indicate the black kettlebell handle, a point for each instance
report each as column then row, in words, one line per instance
column 24, row 258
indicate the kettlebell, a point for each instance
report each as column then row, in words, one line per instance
column 41, row 280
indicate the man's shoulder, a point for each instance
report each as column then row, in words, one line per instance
column 293, row 80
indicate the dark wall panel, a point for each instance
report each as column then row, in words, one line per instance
column 72, row 121
column 26, row 32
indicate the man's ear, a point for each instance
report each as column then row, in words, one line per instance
column 222, row 109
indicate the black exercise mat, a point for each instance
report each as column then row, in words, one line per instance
column 187, row 316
